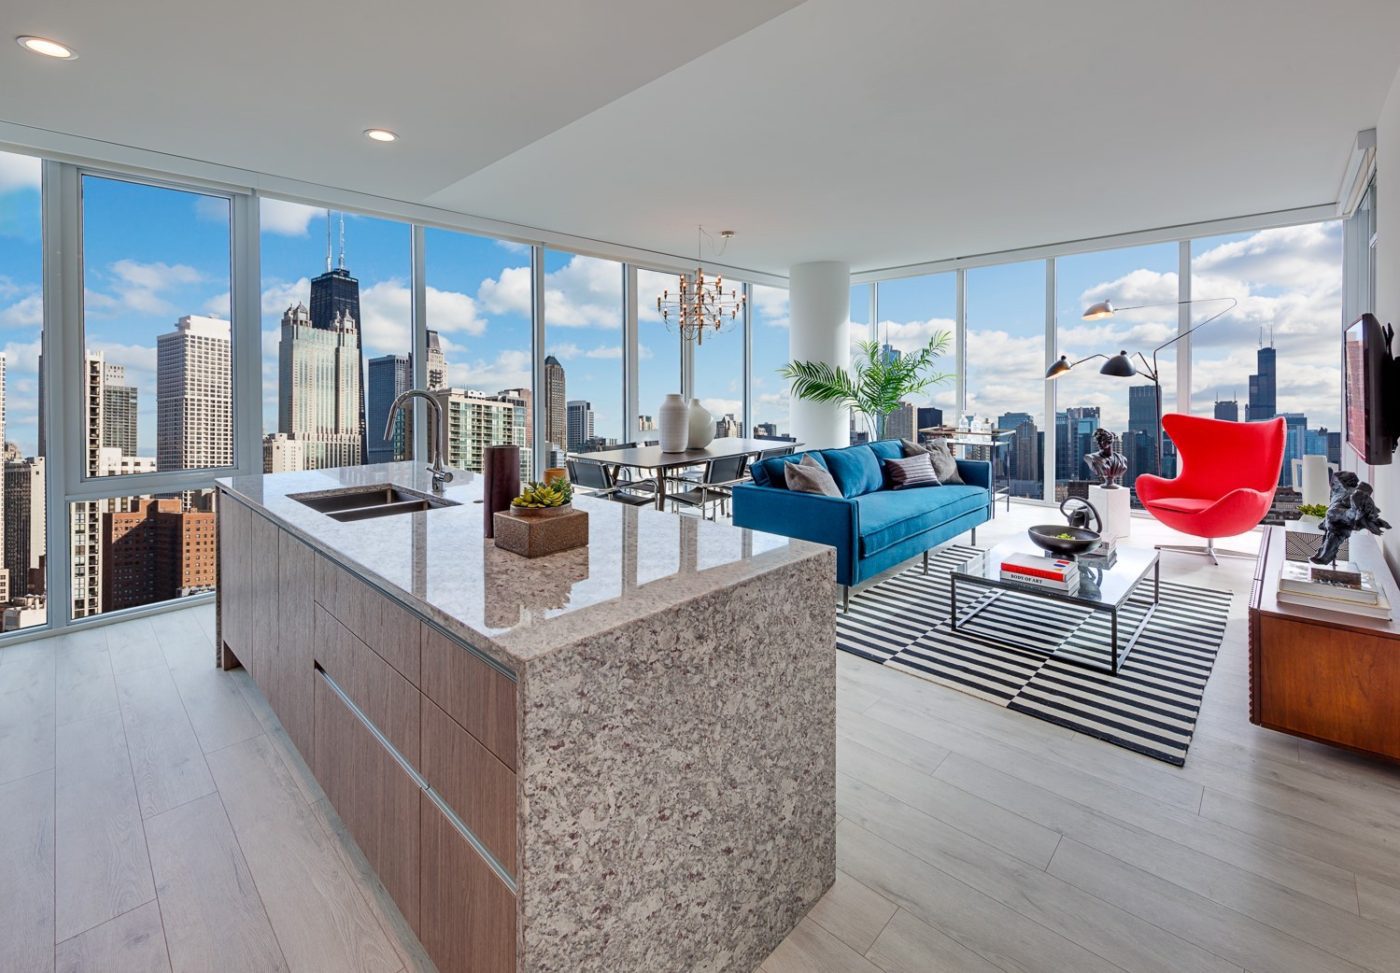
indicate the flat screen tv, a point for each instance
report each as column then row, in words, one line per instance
column 1368, row 380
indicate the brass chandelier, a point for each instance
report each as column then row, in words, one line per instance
column 700, row 303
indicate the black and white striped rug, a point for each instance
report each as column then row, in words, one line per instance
column 1151, row 704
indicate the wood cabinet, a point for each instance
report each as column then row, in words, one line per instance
column 472, row 781
column 467, row 921
column 291, row 683
column 472, row 691
column 381, row 623
column 1328, row 676
column 235, row 582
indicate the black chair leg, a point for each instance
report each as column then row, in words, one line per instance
column 925, row 562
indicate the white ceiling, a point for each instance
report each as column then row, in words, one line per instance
column 880, row 132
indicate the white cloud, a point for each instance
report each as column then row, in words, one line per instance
column 564, row 351
column 585, row 292
column 219, row 306
column 286, row 219
column 510, row 246
column 27, row 312
column 212, row 209
column 19, row 172
column 509, row 369
column 278, row 295
column 607, row 351
column 451, row 312
column 139, row 286
column 507, row 294
column 770, row 306
column 387, row 325
column 719, row 408
column 23, row 356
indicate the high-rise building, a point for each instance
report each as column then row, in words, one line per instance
column 25, row 522
column 765, row 430
column 4, row 564
column 194, row 396
column 476, row 420
column 1263, row 387
column 335, row 299
column 119, row 410
column 1021, row 454
column 927, row 417
column 1140, row 449
column 899, row 424
column 319, row 400
column 728, row 427
column 155, row 552
column 1294, row 445
column 648, row 424
column 580, row 424
column 1227, row 409
column 1074, row 437
column 389, row 376
column 556, row 430
column 437, row 362
column 282, row 454
column 527, row 397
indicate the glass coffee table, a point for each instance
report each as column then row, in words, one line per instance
column 1101, row 589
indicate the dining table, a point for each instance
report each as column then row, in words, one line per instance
column 653, row 458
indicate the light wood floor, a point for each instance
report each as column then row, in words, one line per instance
column 153, row 816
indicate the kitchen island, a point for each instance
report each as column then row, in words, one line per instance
column 616, row 758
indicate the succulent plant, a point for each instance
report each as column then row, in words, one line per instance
column 537, row 496
column 1313, row 510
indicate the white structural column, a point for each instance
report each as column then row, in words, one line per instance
column 819, row 303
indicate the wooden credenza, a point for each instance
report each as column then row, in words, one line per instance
column 1323, row 675
column 411, row 733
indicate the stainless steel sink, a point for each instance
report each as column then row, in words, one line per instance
column 365, row 503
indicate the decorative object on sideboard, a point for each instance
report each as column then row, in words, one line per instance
column 501, row 472
column 555, row 473
column 673, row 424
column 1106, row 462
column 1073, row 539
column 1303, row 536
column 1352, row 508
column 702, row 426
column 542, row 521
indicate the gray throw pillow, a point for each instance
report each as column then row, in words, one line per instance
column 944, row 465
column 911, row 471
column 808, row 477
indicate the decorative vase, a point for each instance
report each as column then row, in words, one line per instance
column 672, row 424
column 501, row 468
column 702, row 426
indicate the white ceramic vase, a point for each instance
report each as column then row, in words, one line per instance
column 673, row 424
column 702, row 425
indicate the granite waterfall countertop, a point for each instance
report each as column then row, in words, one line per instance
column 639, row 562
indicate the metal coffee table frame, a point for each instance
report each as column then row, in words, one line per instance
column 999, row 587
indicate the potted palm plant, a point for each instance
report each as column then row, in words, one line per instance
column 879, row 380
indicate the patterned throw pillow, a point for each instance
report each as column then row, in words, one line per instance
column 943, row 462
column 912, row 471
column 808, row 476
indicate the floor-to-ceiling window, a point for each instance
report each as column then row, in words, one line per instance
column 337, row 321
column 1141, row 283
column 583, row 315
column 479, row 312
column 719, row 368
column 1278, row 352
column 23, row 597
column 1005, row 333
column 658, row 350
column 912, row 311
column 769, row 316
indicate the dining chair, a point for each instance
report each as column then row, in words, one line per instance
column 596, row 479
column 712, row 492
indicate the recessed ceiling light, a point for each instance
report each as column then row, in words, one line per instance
column 46, row 47
column 381, row 135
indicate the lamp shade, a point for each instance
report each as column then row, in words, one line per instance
column 1119, row 366
column 1098, row 311
column 1060, row 367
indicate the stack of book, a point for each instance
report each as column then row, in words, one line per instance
column 1301, row 583
column 1055, row 574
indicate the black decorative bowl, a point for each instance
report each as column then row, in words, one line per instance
column 1050, row 537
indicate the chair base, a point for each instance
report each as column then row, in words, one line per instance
column 1209, row 550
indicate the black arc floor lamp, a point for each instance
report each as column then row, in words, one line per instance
column 1121, row 365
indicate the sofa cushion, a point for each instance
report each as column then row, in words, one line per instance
column 889, row 516
column 769, row 472
column 1183, row 505
column 855, row 469
column 944, row 463
column 909, row 472
column 809, row 477
column 886, row 449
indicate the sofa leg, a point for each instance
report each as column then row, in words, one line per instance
column 925, row 562
column 974, row 537
column 845, row 598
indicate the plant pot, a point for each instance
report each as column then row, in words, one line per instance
column 673, row 424
column 702, row 425
column 542, row 511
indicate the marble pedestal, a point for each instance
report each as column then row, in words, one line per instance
column 1116, row 509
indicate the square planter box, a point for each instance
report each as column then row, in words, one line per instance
column 535, row 535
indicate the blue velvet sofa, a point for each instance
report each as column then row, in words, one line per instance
column 872, row 527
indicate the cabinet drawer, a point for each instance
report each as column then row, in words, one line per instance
column 473, row 782
column 467, row 919
column 292, row 668
column 372, row 792
column 471, row 691
column 387, row 699
column 381, row 623
column 235, row 581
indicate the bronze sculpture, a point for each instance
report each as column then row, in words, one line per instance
column 1351, row 507
column 1107, row 464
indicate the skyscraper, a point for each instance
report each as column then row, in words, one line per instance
column 899, row 424
column 1074, row 434
column 156, row 551
column 119, row 410
column 437, row 362
column 580, row 428
column 927, row 416
column 1263, row 387
column 1294, row 445
column 335, row 299
column 389, row 376
column 194, row 396
column 528, row 398
column 476, row 420
column 319, row 400
column 1227, row 409
column 4, row 565
column 555, row 428
column 1021, row 454
column 1140, row 448
column 25, row 526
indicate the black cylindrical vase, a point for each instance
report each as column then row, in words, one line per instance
column 501, row 470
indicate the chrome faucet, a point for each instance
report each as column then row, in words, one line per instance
column 436, row 422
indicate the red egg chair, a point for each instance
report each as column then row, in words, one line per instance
column 1228, row 472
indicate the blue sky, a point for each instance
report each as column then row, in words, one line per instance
column 153, row 255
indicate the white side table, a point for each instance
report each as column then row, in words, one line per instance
column 1116, row 509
